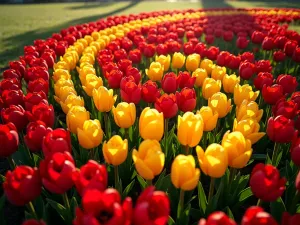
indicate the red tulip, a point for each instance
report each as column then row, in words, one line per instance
column 43, row 112
column 257, row 216
column 32, row 99
column 114, row 78
column 152, row 38
column 150, row 92
column 280, row 41
column 22, row 185
column 296, row 55
column 298, row 182
column 152, row 207
column 198, row 31
column 9, row 139
column 108, row 67
column 184, row 79
column 223, row 58
column 103, row 208
column 38, row 85
column 58, row 140
column 48, row 58
column 38, row 62
column 35, row 133
column 127, row 44
column 149, row 50
column 135, row 73
column 180, row 32
column 272, row 93
column 280, row 129
column 288, row 83
column 60, row 49
column 290, row 47
column 34, row 73
column 218, row 33
column 246, row 70
column 167, row 105
column 123, row 64
column 11, row 73
column 268, row 43
column 295, row 149
column 247, row 56
column 120, row 54
column 188, row 48
column 135, row 56
column 285, row 108
column 288, row 219
column 242, row 42
column 113, row 46
column 13, row 97
column 16, row 115
column 186, row 99
column 279, row 56
column 212, row 53
column 90, row 176
column 19, row 66
column 162, row 49
column 263, row 78
column 209, row 39
column 234, row 62
column 34, row 222
column 131, row 92
column 257, row 37
column 56, row 172
column 200, row 49
column 169, row 83
column 263, row 66
column 228, row 35
column 217, row 218
column 10, row 84
column 296, row 98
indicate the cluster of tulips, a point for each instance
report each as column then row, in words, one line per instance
column 112, row 121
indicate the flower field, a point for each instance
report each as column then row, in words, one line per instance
column 166, row 117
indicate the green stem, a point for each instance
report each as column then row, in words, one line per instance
column 187, row 149
column 126, row 133
column 11, row 162
column 211, row 189
column 275, row 153
column 149, row 183
column 106, row 125
column 117, row 185
column 166, row 136
column 259, row 202
column 232, row 175
column 180, row 204
column 66, row 200
column 293, row 207
column 204, row 138
column 32, row 210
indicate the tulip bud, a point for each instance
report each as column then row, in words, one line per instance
column 164, row 61
column 256, row 216
column 218, row 218
column 104, row 99
column 186, row 99
column 219, row 103
column 9, row 139
column 229, row 82
column 218, row 72
column 210, row 87
column 248, row 109
column 207, row 65
column 280, row 129
column 76, row 117
column 288, row 83
column 169, row 83
column 178, row 60
column 92, row 83
column 200, row 75
column 150, row 91
column 115, row 150
column 155, row 71
column 124, row 114
column 91, row 134
column 192, row 62
column 244, row 92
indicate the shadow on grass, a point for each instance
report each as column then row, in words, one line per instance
column 215, row 4
column 89, row 5
column 27, row 38
column 274, row 3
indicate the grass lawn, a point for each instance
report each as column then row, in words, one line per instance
column 21, row 24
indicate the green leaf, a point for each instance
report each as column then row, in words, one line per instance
column 184, row 217
column 73, row 205
column 128, row 189
column 60, row 209
column 268, row 161
column 171, row 221
column 245, row 194
column 142, row 182
column 229, row 213
column 160, row 180
column 202, row 198
column 259, row 156
column 36, row 159
column 2, row 178
column 196, row 214
column 166, row 183
column 277, row 208
column 39, row 206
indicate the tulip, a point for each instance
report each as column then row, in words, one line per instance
column 9, row 139
column 178, row 60
column 257, row 37
column 265, row 182
column 13, row 97
column 150, row 91
column 246, row 70
column 268, row 43
column 288, row 83
column 71, row 100
column 279, row 56
column 242, row 42
column 114, row 79
column 115, row 150
column 192, row 62
column 207, row 65
column 280, row 129
column 238, row 148
column 200, row 75
column 131, row 92
column 135, row 73
column 103, row 208
column 90, row 176
column 76, row 117
column 212, row 53
column 167, row 105
column 219, row 218
column 124, row 114
column 43, row 112
column 263, row 66
column 184, row 175
column 288, row 219
column 190, row 129
column 218, row 72
column 164, row 61
column 184, row 79
column 248, row 109
column 169, row 83
column 229, row 82
column 104, row 99
column 210, row 87
column 186, row 99
column 209, row 117
column 56, row 172
column 219, row 103
column 296, row 55
column 22, row 185
column 249, row 128
column 213, row 161
column 289, row 47
column 151, row 199
column 155, row 71
column 149, row 50
column 35, row 98
column 223, row 58
column 285, row 108
column 151, row 124
column 92, row 83
column 247, row 56
column 33, row 222
column 244, row 92
column 135, row 56
column 256, row 216
column 162, row 49
column 149, row 160
column 63, row 93
column 262, row 79
column 16, row 115
column 90, row 135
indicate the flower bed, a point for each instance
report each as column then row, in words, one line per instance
column 171, row 117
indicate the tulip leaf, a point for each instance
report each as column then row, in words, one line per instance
column 196, row 214
column 160, row 180
column 73, row 205
column 60, row 209
column 166, row 183
column 229, row 213
column 202, row 198
column 171, row 221
column 128, row 189
column 215, row 201
column 245, row 194
column 184, row 217
column 259, row 156
column 2, row 178
column 142, row 182
column 37, row 159
column 39, row 206
column 268, row 160
column 277, row 208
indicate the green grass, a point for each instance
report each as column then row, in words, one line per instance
column 21, row 24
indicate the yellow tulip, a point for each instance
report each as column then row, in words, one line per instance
column 96, row 35
column 63, row 92
column 207, row 64
column 238, row 149
column 229, row 82
column 200, row 75
column 190, row 129
column 70, row 61
column 249, row 128
column 104, row 99
column 76, row 117
column 88, row 38
column 155, row 71
column 219, row 103
column 178, row 60
column 192, row 62
column 249, row 109
column 209, row 117
column 61, row 74
column 149, row 160
column 213, row 161
column 83, row 41
column 210, row 87
column 62, row 82
column 184, row 174
column 218, row 72
column 83, row 72
column 61, row 65
column 244, row 92
column 70, row 101
column 115, row 150
column 151, row 124
column 92, row 83
column 91, row 134
column 124, row 114
column 164, row 61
